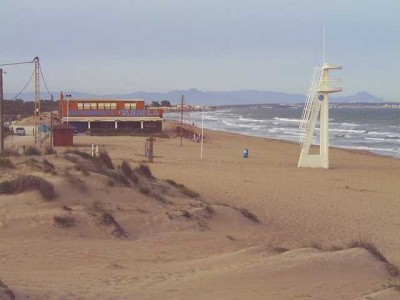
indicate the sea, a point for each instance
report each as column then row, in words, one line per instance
column 371, row 128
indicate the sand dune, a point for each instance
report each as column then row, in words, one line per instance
column 163, row 242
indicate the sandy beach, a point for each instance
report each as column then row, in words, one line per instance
column 298, row 249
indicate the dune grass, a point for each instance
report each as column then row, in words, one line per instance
column 64, row 221
column 6, row 163
column 32, row 151
column 184, row 190
column 25, row 183
column 7, row 290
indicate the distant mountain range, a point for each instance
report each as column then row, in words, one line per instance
column 195, row 96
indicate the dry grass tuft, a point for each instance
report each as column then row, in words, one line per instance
column 64, row 221
column 106, row 159
column 32, row 151
column 25, row 183
column 108, row 219
column 49, row 150
column 248, row 214
column 84, row 155
column 144, row 190
column 10, row 152
column 144, row 171
column 48, row 167
column 371, row 248
column 6, row 163
column 7, row 292
column 184, row 190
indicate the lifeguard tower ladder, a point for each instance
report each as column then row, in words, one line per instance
column 317, row 104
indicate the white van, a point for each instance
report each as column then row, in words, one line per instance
column 20, row 131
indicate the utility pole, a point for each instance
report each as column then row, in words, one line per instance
column 182, row 118
column 1, row 113
column 51, row 129
column 37, row 102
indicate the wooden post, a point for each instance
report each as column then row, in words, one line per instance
column 51, row 129
column 1, row 114
column 182, row 118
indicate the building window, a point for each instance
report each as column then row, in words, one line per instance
column 86, row 105
column 100, row 105
column 80, row 105
column 106, row 105
column 93, row 105
column 130, row 105
column 113, row 105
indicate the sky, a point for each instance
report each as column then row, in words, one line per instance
column 123, row 46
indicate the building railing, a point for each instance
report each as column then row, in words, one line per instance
column 115, row 113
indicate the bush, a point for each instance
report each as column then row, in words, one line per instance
column 105, row 158
column 29, row 182
column 6, row 163
column 64, row 221
column 145, row 171
column 32, row 151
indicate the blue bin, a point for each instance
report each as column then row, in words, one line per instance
column 245, row 153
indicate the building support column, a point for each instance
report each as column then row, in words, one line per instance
column 141, row 125
column 88, row 124
column 116, row 124
column 162, row 125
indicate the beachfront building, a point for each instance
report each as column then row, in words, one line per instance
column 98, row 116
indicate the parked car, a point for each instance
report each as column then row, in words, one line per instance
column 20, row 131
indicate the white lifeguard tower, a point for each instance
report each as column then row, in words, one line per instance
column 317, row 104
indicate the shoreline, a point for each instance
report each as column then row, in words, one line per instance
column 344, row 148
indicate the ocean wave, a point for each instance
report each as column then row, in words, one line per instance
column 287, row 120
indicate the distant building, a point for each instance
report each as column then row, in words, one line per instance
column 108, row 115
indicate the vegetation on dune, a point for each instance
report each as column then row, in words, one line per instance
column 106, row 159
column 49, row 150
column 371, row 248
column 6, row 163
column 32, row 151
column 108, row 219
column 184, row 190
column 84, row 155
column 64, row 221
column 48, row 167
column 10, row 152
column 144, row 171
column 248, row 214
column 9, row 293
column 25, row 183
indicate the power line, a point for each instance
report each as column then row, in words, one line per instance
column 18, row 63
column 24, row 87
column 44, row 81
